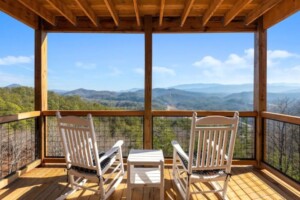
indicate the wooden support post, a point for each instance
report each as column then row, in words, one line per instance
column 148, row 83
column 40, row 85
column 260, row 86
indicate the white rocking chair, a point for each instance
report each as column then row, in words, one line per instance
column 83, row 159
column 210, row 155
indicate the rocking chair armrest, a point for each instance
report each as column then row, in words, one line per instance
column 179, row 150
column 119, row 143
column 113, row 150
column 108, row 153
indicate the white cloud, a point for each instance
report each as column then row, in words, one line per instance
column 87, row 66
column 208, row 61
column 13, row 60
column 249, row 53
column 284, row 75
column 234, row 69
column 277, row 54
column 163, row 70
column 234, row 59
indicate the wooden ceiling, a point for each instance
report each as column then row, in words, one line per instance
column 167, row 15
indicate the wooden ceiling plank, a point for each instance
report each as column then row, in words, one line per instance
column 280, row 12
column 161, row 13
column 186, row 11
column 137, row 14
column 19, row 12
column 39, row 10
column 262, row 8
column 63, row 10
column 112, row 10
column 86, row 8
column 235, row 10
column 210, row 11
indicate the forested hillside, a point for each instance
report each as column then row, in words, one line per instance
column 21, row 99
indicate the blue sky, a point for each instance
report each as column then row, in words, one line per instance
column 116, row 61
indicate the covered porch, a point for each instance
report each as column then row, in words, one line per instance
column 255, row 176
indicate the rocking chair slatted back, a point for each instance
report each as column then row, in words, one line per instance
column 212, row 142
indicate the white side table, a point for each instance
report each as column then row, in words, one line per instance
column 145, row 168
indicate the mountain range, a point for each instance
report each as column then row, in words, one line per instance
column 236, row 88
column 186, row 97
column 190, row 96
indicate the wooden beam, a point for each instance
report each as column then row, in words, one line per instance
column 106, row 113
column 189, row 113
column 111, row 8
column 39, row 10
column 280, row 12
column 281, row 117
column 63, row 10
column 186, row 11
column 170, row 25
column 19, row 12
column 211, row 10
column 137, row 14
column 161, row 12
column 261, row 9
column 41, row 43
column 86, row 8
column 260, row 86
column 19, row 116
column 148, row 83
column 40, row 85
column 235, row 10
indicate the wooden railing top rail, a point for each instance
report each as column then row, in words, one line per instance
column 189, row 113
column 282, row 117
column 19, row 116
column 156, row 113
column 94, row 112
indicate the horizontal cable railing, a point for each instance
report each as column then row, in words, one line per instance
column 167, row 125
column 19, row 142
column 108, row 130
column 282, row 139
column 166, row 129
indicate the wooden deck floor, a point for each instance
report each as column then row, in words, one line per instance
column 50, row 183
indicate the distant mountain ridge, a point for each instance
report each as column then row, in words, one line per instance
column 13, row 85
column 236, row 88
column 186, row 97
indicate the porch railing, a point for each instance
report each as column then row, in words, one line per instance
column 108, row 131
column 18, row 143
column 112, row 126
column 282, row 144
column 166, row 129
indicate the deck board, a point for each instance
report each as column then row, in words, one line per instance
column 51, row 182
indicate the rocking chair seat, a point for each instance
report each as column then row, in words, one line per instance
column 203, row 174
column 103, row 164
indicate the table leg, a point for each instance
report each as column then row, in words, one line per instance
column 128, row 181
column 162, row 181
